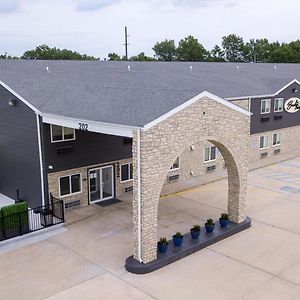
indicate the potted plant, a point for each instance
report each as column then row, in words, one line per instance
column 224, row 220
column 195, row 231
column 162, row 245
column 209, row 225
column 177, row 239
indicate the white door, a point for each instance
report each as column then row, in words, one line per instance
column 101, row 184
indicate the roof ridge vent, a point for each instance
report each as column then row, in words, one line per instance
column 128, row 67
column 191, row 68
column 275, row 67
column 47, row 69
column 238, row 67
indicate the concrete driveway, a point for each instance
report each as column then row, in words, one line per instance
column 86, row 260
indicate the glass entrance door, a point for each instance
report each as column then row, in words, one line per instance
column 101, row 184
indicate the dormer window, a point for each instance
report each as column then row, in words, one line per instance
column 61, row 134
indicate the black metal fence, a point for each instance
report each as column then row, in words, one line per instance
column 32, row 220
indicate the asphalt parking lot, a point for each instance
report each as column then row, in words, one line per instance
column 85, row 259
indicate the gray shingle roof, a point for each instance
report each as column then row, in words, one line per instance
column 108, row 92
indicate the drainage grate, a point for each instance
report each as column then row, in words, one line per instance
column 108, row 202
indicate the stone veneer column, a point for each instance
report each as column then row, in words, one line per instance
column 160, row 145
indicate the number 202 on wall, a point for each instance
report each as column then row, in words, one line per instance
column 83, row 126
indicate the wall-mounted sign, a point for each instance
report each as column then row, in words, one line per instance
column 292, row 105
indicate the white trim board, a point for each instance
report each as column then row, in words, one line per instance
column 20, row 97
column 193, row 100
column 263, row 96
column 106, row 128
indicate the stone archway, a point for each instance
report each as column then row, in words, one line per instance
column 206, row 119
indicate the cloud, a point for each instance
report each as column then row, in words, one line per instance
column 8, row 5
column 88, row 5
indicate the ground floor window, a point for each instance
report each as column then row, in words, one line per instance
column 276, row 139
column 70, row 184
column 126, row 172
column 263, row 142
column 210, row 153
column 175, row 165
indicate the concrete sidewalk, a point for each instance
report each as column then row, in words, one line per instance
column 86, row 261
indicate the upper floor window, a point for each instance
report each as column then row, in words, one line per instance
column 278, row 104
column 276, row 139
column 175, row 165
column 263, row 142
column 265, row 106
column 126, row 172
column 210, row 153
column 60, row 134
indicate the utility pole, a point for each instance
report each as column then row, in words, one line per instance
column 126, row 43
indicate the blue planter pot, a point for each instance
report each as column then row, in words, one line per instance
column 209, row 228
column 177, row 240
column 162, row 248
column 223, row 223
column 195, row 234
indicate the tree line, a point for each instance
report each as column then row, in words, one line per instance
column 233, row 48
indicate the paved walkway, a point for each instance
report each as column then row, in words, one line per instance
column 86, row 260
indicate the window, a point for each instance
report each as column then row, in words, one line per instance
column 126, row 172
column 69, row 185
column 210, row 154
column 60, row 133
column 265, row 106
column 278, row 104
column 263, row 142
column 276, row 139
column 175, row 165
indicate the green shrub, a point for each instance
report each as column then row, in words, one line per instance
column 210, row 222
column 196, row 227
column 178, row 235
column 224, row 216
column 163, row 241
column 14, row 216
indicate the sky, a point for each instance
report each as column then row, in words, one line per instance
column 96, row 27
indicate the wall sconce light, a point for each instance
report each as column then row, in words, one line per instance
column 192, row 173
column 12, row 102
column 192, row 147
column 50, row 167
column 295, row 90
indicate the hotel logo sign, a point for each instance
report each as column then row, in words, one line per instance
column 292, row 105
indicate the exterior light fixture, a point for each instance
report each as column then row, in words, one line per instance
column 192, row 173
column 192, row 147
column 50, row 167
column 295, row 90
column 12, row 102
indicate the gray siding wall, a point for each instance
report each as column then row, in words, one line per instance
column 287, row 120
column 88, row 148
column 19, row 154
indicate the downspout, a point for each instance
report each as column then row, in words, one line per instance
column 41, row 157
column 139, row 195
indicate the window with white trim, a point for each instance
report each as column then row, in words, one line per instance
column 69, row 185
column 265, row 106
column 61, row 134
column 278, row 105
column 210, row 153
column 263, row 142
column 126, row 172
column 276, row 139
column 175, row 165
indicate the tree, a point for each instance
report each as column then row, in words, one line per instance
column 189, row 49
column 233, row 46
column 217, row 54
column 114, row 56
column 45, row 52
column 142, row 57
column 165, row 50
